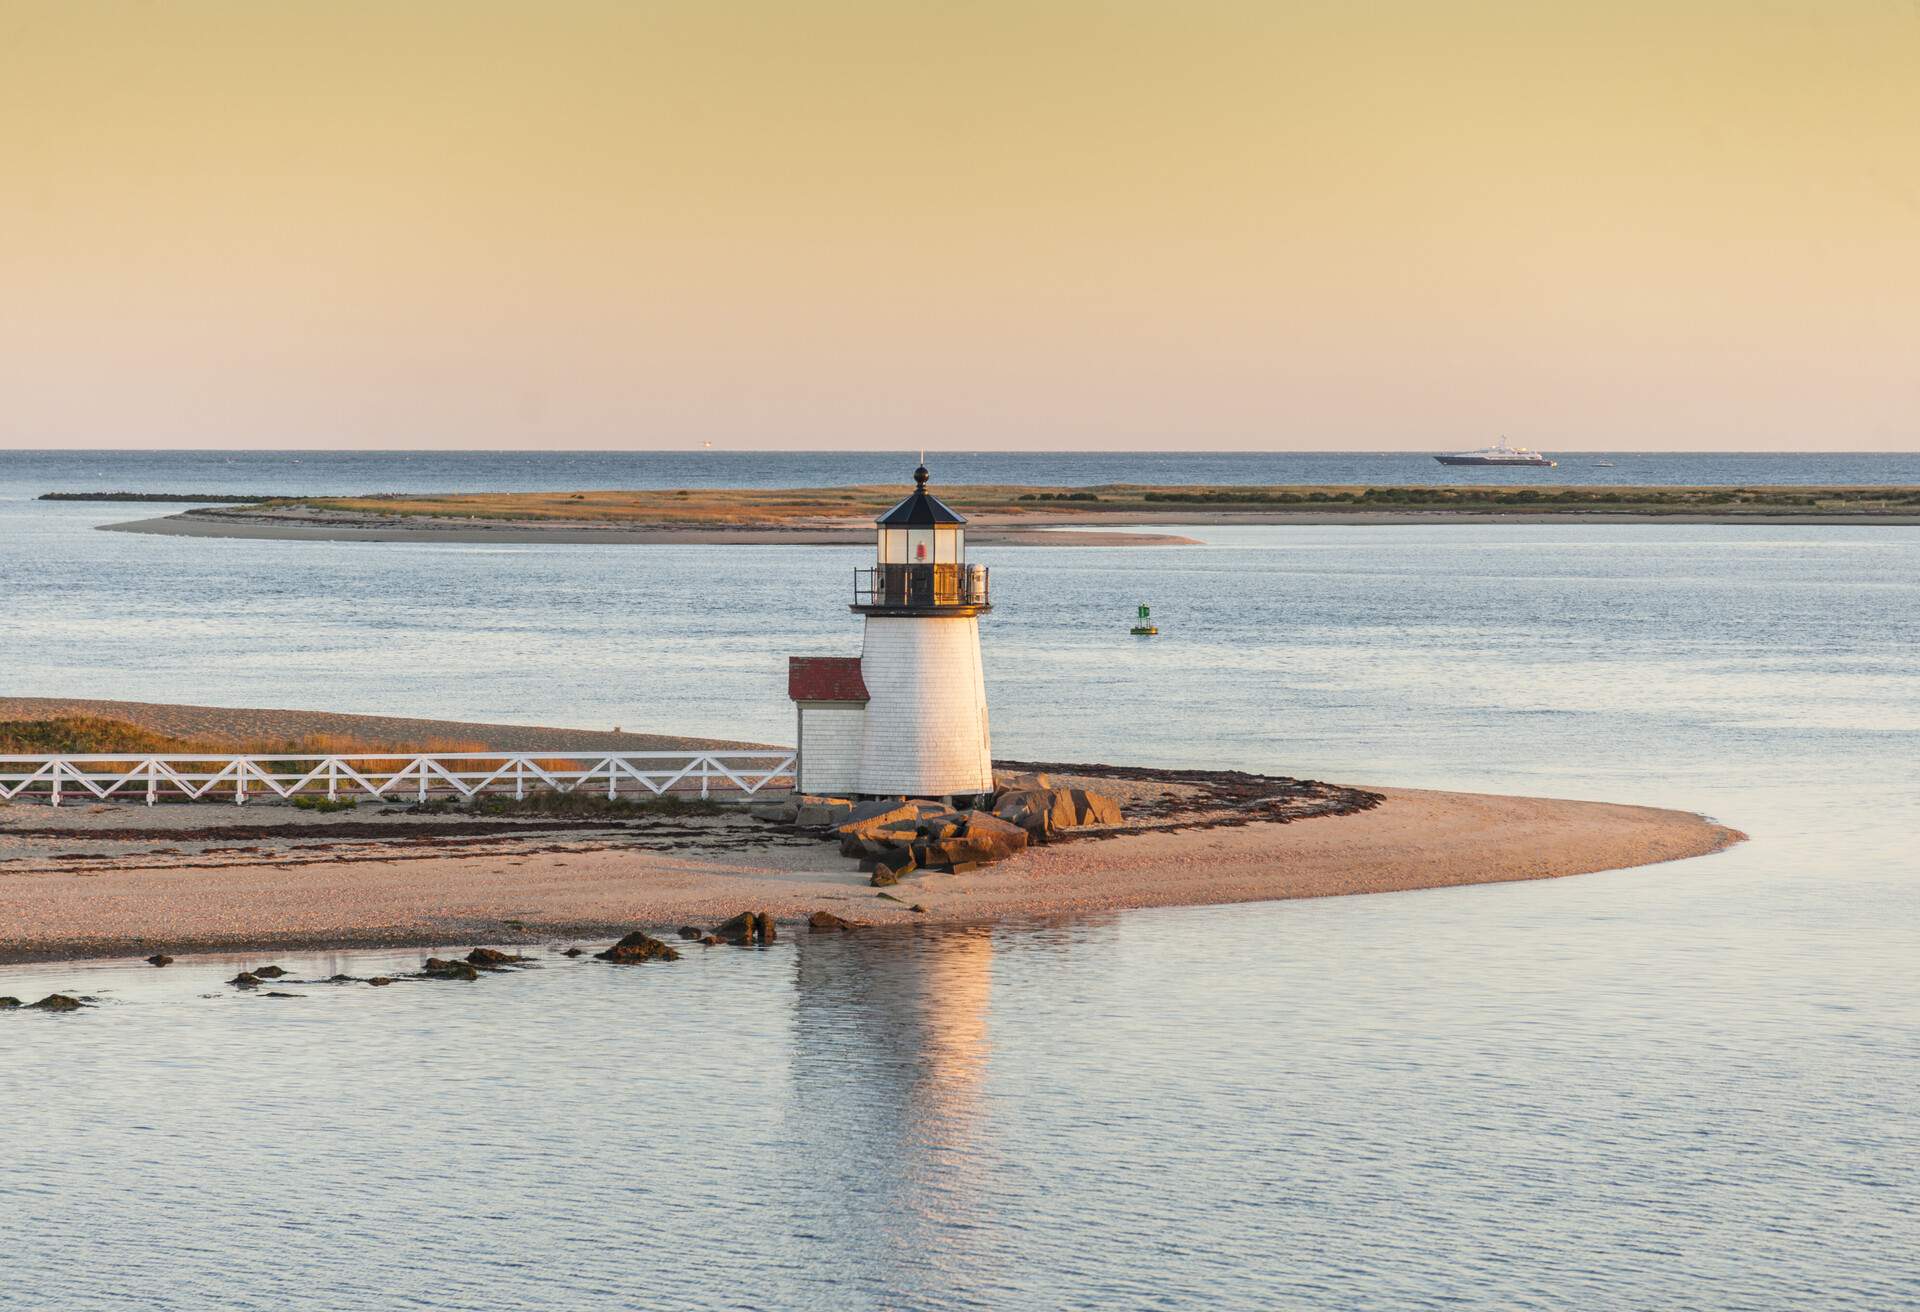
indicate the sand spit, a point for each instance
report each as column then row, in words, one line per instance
column 125, row 880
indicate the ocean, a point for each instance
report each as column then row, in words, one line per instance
column 1679, row 1086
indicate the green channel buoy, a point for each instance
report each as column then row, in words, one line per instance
column 1144, row 628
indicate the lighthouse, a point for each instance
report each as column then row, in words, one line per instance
column 908, row 716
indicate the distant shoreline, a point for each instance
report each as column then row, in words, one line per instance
column 1108, row 515
column 1080, row 532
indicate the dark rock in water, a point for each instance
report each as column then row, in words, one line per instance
column 492, row 958
column 709, row 941
column 159, row 959
column 283, row 995
column 574, row 952
column 269, row 972
column 746, row 928
column 690, row 932
column 246, row 979
column 380, row 981
column 917, row 907
column 8, row 1004
column 341, row 979
column 827, row 920
column 636, row 948
column 440, row 968
column 56, row 1002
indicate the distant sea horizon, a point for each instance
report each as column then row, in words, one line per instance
column 29, row 473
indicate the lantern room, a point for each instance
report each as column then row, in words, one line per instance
column 920, row 561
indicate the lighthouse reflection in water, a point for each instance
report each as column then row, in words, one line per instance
column 889, row 1070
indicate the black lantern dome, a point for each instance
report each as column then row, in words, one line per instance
column 920, row 561
column 921, row 510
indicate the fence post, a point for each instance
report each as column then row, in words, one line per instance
column 240, row 782
column 153, row 781
column 57, row 768
column 420, row 763
column 333, row 780
column 519, row 778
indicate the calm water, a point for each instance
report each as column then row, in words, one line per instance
column 1690, row 1086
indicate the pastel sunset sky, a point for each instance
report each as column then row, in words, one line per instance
column 1219, row 224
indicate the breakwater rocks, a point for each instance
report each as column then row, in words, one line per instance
column 1032, row 804
column 893, row 837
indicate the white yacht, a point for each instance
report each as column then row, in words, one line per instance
column 1500, row 453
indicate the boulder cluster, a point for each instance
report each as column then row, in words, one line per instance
column 893, row 837
column 743, row 930
column 52, row 1002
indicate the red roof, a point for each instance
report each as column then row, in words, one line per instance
column 825, row 679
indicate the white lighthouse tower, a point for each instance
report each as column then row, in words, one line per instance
column 918, row 695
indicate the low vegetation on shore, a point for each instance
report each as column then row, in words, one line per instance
column 92, row 733
column 743, row 508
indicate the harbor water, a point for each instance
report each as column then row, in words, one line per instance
column 1680, row 1086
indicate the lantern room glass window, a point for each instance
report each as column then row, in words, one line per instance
column 944, row 544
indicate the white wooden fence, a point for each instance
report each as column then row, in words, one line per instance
column 387, row 776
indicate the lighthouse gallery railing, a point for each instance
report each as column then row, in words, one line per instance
column 389, row 776
column 920, row 585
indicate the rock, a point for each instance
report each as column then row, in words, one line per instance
column 883, row 877
column 8, row 1004
column 246, row 979
column 494, row 958
column 269, row 972
column 864, row 819
column 1038, row 811
column 574, row 952
column 827, row 920
column 983, row 824
column 893, row 864
column 943, row 824
column 746, row 928
column 283, row 995
column 709, row 941
column 1021, row 783
column 380, row 981
column 964, row 867
column 779, row 813
column 159, row 959
column 440, row 968
column 822, row 812
column 917, row 907
column 636, row 948
column 56, row 1002
column 1094, row 808
column 689, row 932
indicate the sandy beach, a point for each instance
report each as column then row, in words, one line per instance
column 108, row 880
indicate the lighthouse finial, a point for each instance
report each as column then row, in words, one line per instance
column 920, row 474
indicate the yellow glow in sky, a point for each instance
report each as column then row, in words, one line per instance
column 1033, row 224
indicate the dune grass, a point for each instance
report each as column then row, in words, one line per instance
column 807, row 507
